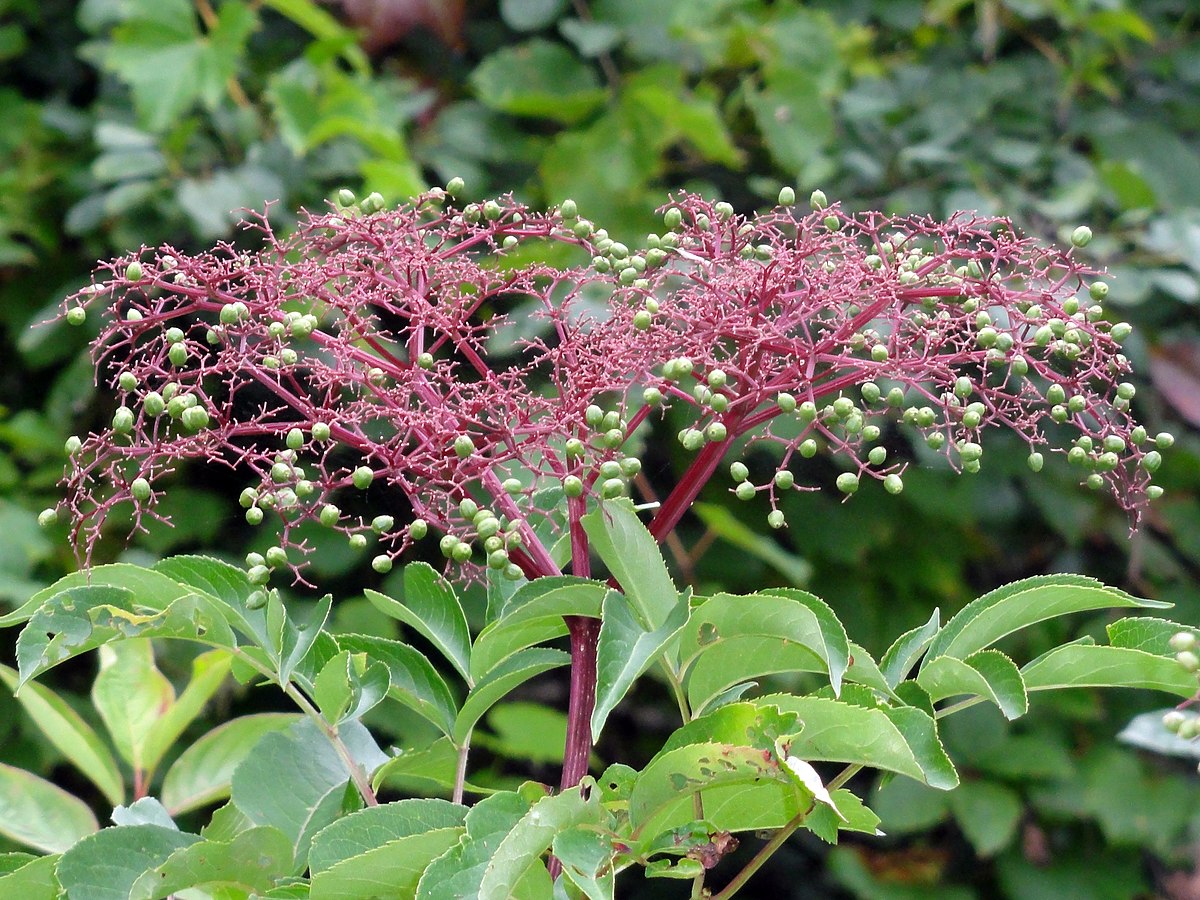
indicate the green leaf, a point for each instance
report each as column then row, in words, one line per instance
column 107, row 864
column 71, row 735
column 383, row 847
column 730, row 528
column 984, row 621
column 500, row 681
column 431, row 607
column 586, row 857
column 431, row 769
column 38, row 814
column 529, row 731
column 764, row 792
column 33, row 881
column 348, row 686
column 130, row 693
column 625, row 651
column 297, row 635
column 148, row 587
column 538, row 79
column 988, row 674
column 530, row 15
column 626, row 546
column 522, row 847
column 854, row 816
column 988, row 814
column 796, row 122
column 202, row 773
column 251, row 862
column 896, row 739
column 457, row 873
column 317, row 779
column 413, row 679
column 534, row 614
column 79, row 619
column 1088, row 665
column 736, row 638
column 865, row 671
column 1145, row 634
column 209, row 671
column 907, row 650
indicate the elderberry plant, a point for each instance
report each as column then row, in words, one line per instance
column 358, row 373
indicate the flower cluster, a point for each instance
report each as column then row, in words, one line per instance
column 378, row 345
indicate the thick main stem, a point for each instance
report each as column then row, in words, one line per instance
column 585, row 635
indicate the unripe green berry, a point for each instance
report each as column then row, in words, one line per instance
column 1164, row 440
column 462, row 552
column 610, row 469
column 270, row 362
column 294, row 439
column 631, row 466
column 497, row 559
column 1081, row 236
column 1151, row 461
column 716, row 432
column 362, row 477
column 1098, row 290
column 73, row 445
column 1120, row 331
column 76, row 315
column 673, row 218
column 833, row 223
column 463, row 446
column 1173, row 719
column 877, row 456
column 122, row 421
column 47, row 517
column 612, row 487
column 785, row 401
column 153, row 404
column 256, row 600
column 1095, row 482
column 807, row 411
column 745, row 491
column 808, row 448
column 455, row 186
column 784, row 479
column 970, row 451
column 1182, row 640
column 572, row 486
column 593, row 416
column 870, row 392
column 893, row 484
column 787, row 196
column 1020, row 366
column 513, row 572
column 276, row 557
column 652, row 396
column 738, row 471
column 1035, row 461
column 133, row 272
column 254, row 515
column 329, row 515
column 258, row 575
column 357, row 541
column 1058, row 413
column 574, row 448
column 382, row 563
column 879, row 353
column 417, row 529
column 776, row 518
column 1153, row 492
column 568, row 209
column 818, row 200
column 382, row 524
column 691, row 439
column 642, row 320
column 847, row 482
column 487, row 526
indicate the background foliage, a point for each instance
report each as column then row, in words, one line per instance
column 132, row 121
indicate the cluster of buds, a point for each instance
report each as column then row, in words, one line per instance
column 1178, row 721
column 366, row 349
